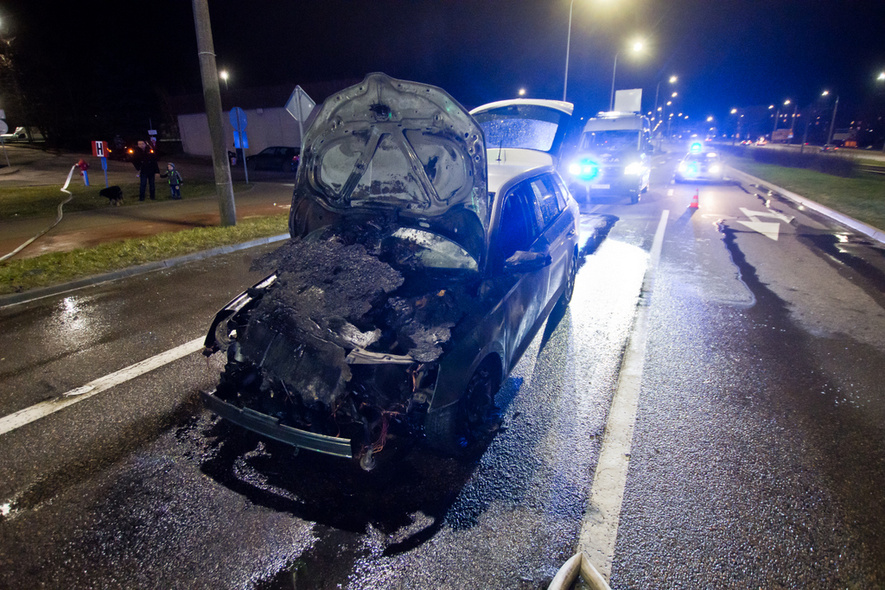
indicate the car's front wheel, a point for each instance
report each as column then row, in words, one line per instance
column 460, row 428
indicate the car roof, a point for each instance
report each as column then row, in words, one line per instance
column 559, row 105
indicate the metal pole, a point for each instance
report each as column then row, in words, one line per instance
column 655, row 111
column 568, row 44
column 777, row 115
column 805, row 133
column 611, row 101
column 832, row 122
column 212, row 98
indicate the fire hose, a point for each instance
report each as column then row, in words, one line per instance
column 61, row 205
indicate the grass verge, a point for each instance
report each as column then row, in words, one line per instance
column 861, row 197
column 17, row 276
column 33, row 201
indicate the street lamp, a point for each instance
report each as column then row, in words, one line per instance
column 673, row 80
column 224, row 76
column 832, row 119
column 637, row 46
column 777, row 115
column 881, row 78
column 568, row 44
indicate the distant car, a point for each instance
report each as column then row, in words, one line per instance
column 281, row 158
column 761, row 141
column 697, row 166
column 423, row 260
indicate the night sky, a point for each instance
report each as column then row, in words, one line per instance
column 726, row 53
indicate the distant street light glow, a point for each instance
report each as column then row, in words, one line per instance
column 637, row 46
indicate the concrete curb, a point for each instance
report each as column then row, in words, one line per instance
column 34, row 294
column 858, row 226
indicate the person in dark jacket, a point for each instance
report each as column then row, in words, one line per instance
column 145, row 161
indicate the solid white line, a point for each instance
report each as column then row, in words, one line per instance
column 37, row 411
column 599, row 528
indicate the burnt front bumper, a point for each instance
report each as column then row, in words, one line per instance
column 270, row 427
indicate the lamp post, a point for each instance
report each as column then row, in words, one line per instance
column 673, row 80
column 881, row 78
column 637, row 46
column 777, row 115
column 832, row 121
column 568, row 44
column 224, row 76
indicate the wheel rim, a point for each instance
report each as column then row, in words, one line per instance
column 570, row 279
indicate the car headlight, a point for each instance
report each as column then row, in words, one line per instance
column 715, row 169
column 584, row 169
column 634, row 169
column 683, row 167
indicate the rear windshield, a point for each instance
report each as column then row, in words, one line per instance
column 529, row 127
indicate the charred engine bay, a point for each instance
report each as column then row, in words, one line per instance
column 349, row 333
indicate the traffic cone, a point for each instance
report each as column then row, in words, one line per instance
column 694, row 200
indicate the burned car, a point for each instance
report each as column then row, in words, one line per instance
column 415, row 277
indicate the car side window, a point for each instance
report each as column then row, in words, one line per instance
column 518, row 228
column 546, row 197
column 561, row 192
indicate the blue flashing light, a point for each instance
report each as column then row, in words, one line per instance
column 696, row 147
column 584, row 169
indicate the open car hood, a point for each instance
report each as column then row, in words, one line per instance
column 395, row 148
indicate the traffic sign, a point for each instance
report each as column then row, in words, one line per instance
column 238, row 122
column 300, row 105
column 99, row 149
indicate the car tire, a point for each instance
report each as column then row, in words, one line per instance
column 569, row 289
column 461, row 428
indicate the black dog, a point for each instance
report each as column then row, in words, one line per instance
column 114, row 195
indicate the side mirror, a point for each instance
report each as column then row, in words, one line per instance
column 523, row 262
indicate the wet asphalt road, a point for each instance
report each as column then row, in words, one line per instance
column 757, row 457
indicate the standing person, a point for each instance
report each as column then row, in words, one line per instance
column 175, row 180
column 145, row 161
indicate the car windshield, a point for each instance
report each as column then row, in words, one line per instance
column 416, row 248
column 610, row 140
column 406, row 249
column 520, row 126
column 701, row 157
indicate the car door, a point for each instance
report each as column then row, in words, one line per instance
column 557, row 231
column 520, row 230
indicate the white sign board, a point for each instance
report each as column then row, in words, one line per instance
column 300, row 105
column 629, row 101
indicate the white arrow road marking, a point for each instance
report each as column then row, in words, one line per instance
column 766, row 228
column 37, row 411
column 769, row 229
column 754, row 214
